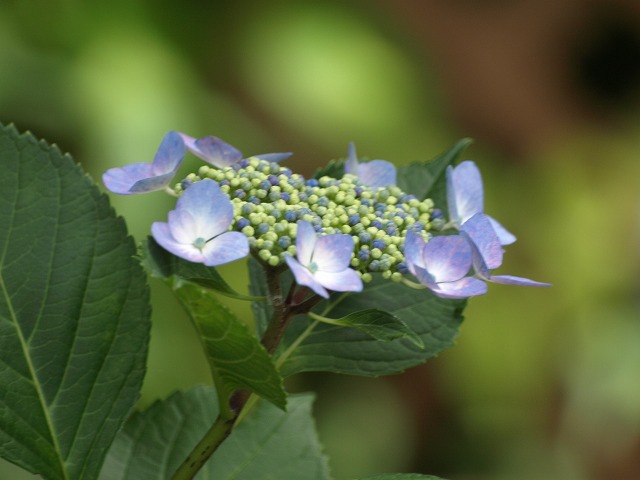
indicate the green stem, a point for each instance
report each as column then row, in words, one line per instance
column 218, row 432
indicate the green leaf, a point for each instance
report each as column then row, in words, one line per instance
column 164, row 265
column 402, row 476
column 74, row 314
column 428, row 179
column 334, row 169
column 378, row 324
column 236, row 358
column 336, row 349
column 268, row 444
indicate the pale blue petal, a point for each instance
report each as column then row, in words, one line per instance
column 304, row 277
column 170, row 154
column 351, row 165
column 305, row 242
column 424, row 277
column 377, row 173
column 273, row 157
column 465, row 195
column 120, row 180
column 165, row 239
column 183, row 226
column 505, row 237
column 519, row 281
column 151, row 184
column 148, row 177
column 447, row 258
column 225, row 248
column 482, row 234
column 332, row 253
column 413, row 246
column 347, row 280
column 210, row 207
column 463, row 288
column 479, row 266
column 212, row 150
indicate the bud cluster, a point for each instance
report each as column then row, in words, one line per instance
column 269, row 200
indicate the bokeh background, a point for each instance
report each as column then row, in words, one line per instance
column 544, row 383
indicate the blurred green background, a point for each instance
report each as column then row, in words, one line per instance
column 544, row 383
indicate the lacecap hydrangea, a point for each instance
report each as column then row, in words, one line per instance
column 333, row 233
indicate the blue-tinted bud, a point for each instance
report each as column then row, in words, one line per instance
column 284, row 242
column 263, row 228
column 273, row 180
column 312, row 182
column 377, row 224
column 241, row 194
column 391, row 229
column 377, row 243
column 402, row 268
column 374, row 266
column 253, row 199
column 290, row 216
column 363, row 255
column 241, row 223
column 323, row 201
column 436, row 213
column 364, row 237
column 354, row 219
column 264, row 185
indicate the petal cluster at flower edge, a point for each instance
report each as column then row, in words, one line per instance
column 442, row 265
column 197, row 230
column 374, row 174
column 487, row 252
column 322, row 263
column 465, row 198
column 220, row 154
column 148, row 177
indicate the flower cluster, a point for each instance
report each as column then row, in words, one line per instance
column 333, row 234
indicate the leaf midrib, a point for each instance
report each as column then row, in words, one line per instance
column 24, row 344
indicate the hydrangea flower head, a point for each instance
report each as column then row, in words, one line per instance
column 147, row 177
column 197, row 229
column 220, row 154
column 323, row 262
column 487, row 252
column 465, row 198
column 374, row 174
column 442, row 265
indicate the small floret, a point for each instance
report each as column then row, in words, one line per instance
column 322, row 263
column 487, row 252
column 374, row 174
column 220, row 154
column 442, row 265
column 197, row 229
column 148, row 177
column 465, row 198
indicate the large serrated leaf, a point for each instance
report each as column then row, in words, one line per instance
column 428, row 179
column 268, row 445
column 337, row 349
column 74, row 314
column 236, row 358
